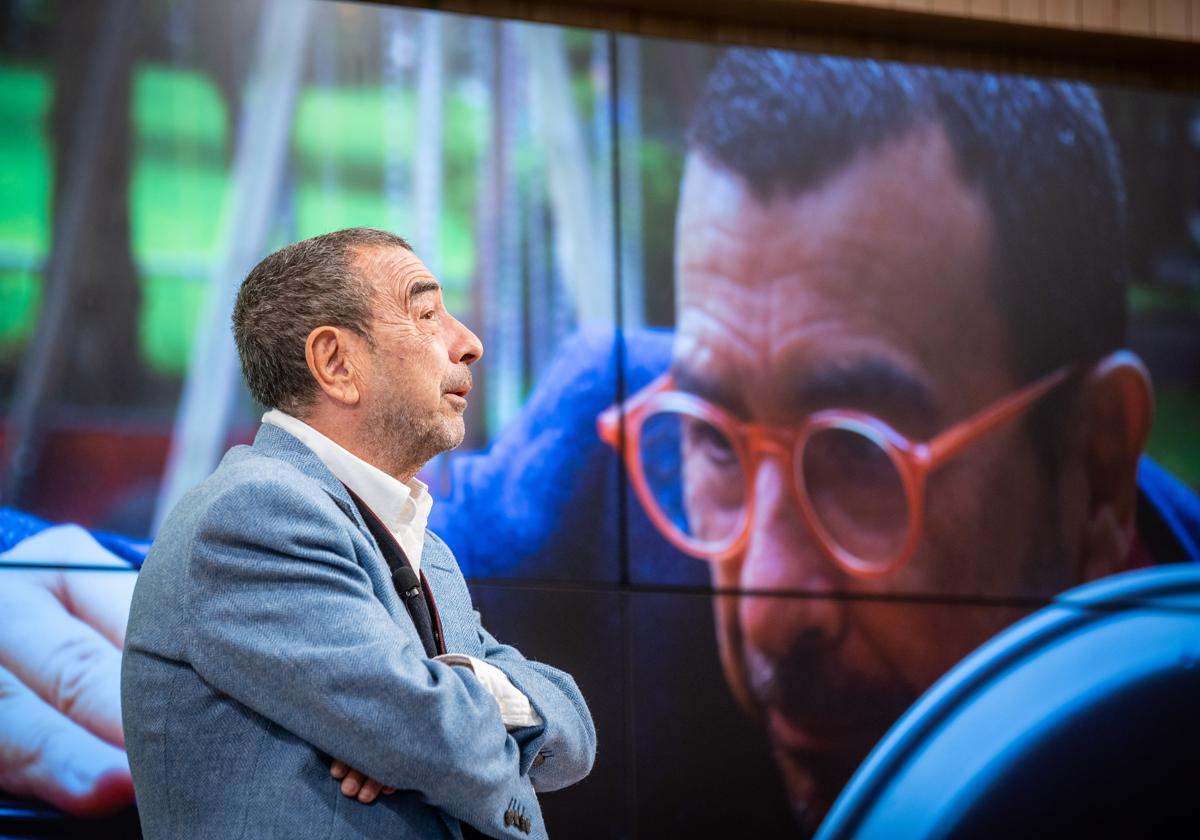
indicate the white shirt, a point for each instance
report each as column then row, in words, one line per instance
column 404, row 507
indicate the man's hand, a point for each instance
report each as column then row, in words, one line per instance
column 356, row 784
column 61, row 634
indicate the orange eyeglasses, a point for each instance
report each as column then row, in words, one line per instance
column 860, row 483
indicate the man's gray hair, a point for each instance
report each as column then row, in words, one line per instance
column 309, row 284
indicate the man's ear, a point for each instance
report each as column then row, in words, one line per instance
column 1118, row 409
column 337, row 359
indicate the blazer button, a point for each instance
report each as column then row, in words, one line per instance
column 538, row 760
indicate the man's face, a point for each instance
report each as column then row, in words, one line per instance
column 418, row 378
column 870, row 292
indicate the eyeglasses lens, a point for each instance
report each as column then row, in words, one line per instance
column 856, row 493
column 696, row 480
column 693, row 477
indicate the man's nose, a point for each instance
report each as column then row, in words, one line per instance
column 783, row 556
column 466, row 347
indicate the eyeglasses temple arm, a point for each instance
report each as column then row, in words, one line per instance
column 608, row 425
column 950, row 442
column 608, row 422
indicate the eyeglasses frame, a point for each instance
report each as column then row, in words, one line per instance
column 752, row 442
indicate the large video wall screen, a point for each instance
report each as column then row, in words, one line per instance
column 804, row 375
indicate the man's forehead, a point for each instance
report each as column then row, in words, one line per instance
column 395, row 272
column 884, row 264
column 805, row 381
column 900, row 201
column 718, row 203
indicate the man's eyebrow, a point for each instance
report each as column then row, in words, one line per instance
column 860, row 383
column 421, row 287
column 714, row 390
column 866, row 382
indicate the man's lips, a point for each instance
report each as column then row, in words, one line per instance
column 797, row 737
column 458, row 389
column 815, row 703
column 459, row 385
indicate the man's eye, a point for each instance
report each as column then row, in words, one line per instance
column 709, row 441
column 429, row 315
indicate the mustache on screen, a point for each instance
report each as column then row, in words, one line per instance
column 812, row 688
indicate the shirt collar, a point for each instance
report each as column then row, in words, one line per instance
column 401, row 506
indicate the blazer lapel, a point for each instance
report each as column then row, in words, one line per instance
column 453, row 600
column 275, row 442
column 437, row 565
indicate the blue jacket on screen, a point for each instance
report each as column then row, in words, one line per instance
column 550, row 490
column 16, row 526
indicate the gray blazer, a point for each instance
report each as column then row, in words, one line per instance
column 265, row 637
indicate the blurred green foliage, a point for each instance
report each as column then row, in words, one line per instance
column 343, row 140
column 1176, row 302
column 177, row 199
column 24, row 162
column 25, row 184
column 20, row 301
column 1175, row 437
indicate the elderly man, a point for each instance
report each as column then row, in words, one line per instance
column 294, row 618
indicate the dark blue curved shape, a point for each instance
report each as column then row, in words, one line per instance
column 1083, row 718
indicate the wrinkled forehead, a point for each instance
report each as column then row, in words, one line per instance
column 897, row 203
column 391, row 273
column 885, row 262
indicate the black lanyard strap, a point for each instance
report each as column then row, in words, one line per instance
column 404, row 577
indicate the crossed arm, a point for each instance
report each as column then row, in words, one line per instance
column 308, row 645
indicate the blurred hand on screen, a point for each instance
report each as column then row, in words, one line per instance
column 61, row 633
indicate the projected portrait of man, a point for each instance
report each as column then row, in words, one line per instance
column 896, row 413
column 896, row 373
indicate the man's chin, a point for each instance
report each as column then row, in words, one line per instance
column 814, row 778
column 450, row 436
column 817, row 763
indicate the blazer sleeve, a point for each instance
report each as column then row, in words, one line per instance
column 286, row 623
column 562, row 750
